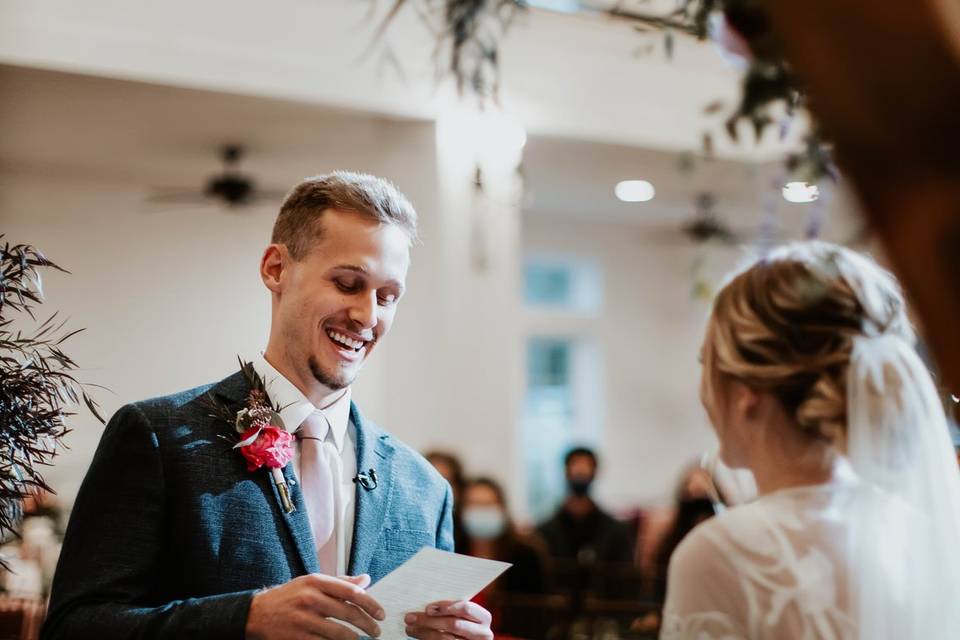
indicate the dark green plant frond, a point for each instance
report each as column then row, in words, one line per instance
column 470, row 31
column 36, row 382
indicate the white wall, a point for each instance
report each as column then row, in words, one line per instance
column 324, row 51
column 647, row 415
column 170, row 297
column 167, row 300
column 648, row 334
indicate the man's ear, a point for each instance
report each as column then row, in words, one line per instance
column 274, row 262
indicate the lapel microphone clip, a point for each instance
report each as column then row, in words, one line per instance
column 367, row 479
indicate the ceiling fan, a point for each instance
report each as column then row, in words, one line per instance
column 230, row 187
column 706, row 228
column 702, row 228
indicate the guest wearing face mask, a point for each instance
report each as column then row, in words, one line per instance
column 490, row 534
column 580, row 530
column 693, row 506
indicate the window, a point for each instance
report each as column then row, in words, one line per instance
column 561, row 409
column 562, row 283
column 547, row 284
column 563, row 400
column 548, row 363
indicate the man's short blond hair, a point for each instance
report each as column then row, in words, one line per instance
column 299, row 223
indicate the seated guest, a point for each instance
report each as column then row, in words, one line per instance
column 693, row 506
column 452, row 471
column 490, row 534
column 580, row 530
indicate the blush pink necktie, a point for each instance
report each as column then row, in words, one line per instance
column 317, row 482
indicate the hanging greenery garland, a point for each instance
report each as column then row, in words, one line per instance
column 471, row 31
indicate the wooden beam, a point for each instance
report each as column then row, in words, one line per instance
column 884, row 81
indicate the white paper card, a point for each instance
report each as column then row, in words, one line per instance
column 427, row 577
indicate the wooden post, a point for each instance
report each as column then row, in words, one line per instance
column 884, row 80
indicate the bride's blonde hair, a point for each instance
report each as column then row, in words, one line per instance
column 786, row 324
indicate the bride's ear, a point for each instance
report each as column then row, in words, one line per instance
column 745, row 402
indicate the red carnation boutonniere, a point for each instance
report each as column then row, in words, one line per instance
column 264, row 442
column 266, row 445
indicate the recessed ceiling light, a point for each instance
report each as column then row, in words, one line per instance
column 634, row 191
column 800, row 192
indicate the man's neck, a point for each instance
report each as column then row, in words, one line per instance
column 579, row 507
column 319, row 395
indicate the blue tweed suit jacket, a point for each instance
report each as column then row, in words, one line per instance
column 170, row 535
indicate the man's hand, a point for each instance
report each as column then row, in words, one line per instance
column 443, row 620
column 303, row 608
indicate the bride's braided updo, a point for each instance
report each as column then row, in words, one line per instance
column 787, row 324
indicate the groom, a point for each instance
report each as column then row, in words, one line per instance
column 172, row 536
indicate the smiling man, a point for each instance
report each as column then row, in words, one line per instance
column 172, row 536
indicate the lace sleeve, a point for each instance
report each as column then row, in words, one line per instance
column 704, row 599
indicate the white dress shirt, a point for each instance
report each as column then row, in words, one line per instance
column 339, row 447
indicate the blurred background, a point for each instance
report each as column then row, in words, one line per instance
column 571, row 234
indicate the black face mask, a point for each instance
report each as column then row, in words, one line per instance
column 580, row 486
column 693, row 510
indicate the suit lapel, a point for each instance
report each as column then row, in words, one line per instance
column 373, row 452
column 234, row 389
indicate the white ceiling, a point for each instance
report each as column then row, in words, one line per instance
column 574, row 76
column 577, row 178
column 149, row 135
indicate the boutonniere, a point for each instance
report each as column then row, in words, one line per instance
column 260, row 436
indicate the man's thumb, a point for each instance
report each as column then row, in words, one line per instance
column 362, row 581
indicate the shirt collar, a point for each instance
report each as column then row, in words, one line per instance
column 295, row 407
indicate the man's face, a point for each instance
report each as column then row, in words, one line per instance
column 339, row 300
column 580, row 468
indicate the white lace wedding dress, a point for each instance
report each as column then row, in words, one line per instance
column 872, row 555
column 773, row 569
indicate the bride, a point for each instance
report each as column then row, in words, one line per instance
column 812, row 383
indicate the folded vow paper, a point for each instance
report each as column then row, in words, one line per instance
column 427, row 577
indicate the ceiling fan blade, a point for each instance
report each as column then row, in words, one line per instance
column 661, row 236
column 178, row 197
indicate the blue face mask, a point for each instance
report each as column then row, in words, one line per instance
column 484, row 523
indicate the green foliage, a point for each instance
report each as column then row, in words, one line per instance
column 471, row 29
column 768, row 84
column 36, row 382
